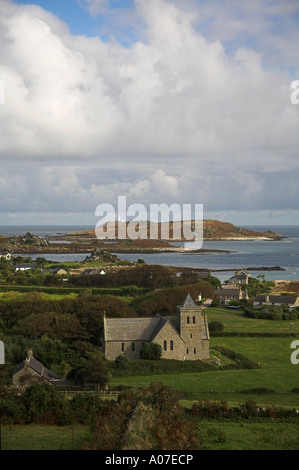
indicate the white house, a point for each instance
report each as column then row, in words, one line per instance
column 6, row 255
column 24, row 267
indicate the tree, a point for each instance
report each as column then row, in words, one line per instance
column 122, row 362
column 96, row 372
column 151, row 351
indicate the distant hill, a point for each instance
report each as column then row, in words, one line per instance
column 212, row 230
column 215, row 229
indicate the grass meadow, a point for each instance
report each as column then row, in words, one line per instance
column 276, row 375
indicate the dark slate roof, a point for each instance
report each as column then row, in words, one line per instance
column 188, row 302
column 129, row 329
column 239, row 276
column 142, row 329
column 25, row 265
column 230, row 290
column 40, row 369
column 282, row 299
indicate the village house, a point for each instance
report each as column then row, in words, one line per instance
column 230, row 292
column 6, row 255
column 182, row 337
column 24, row 267
column 290, row 301
column 31, row 371
column 240, row 277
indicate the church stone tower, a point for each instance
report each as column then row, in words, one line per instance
column 193, row 329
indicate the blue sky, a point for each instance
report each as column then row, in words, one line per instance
column 82, row 21
column 164, row 101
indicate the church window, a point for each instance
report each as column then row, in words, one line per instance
column 194, row 350
column 171, row 345
column 193, row 319
column 165, row 345
column 187, row 351
column 122, row 347
column 188, row 320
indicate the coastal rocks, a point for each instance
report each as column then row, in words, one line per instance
column 32, row 239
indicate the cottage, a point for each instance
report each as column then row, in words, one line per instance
column 58, row 271
column 182, row 337
column 290, row 301
column 24, row 267
column 6, row 255
column 240, row 277
column 231, row 292
column 31, row 371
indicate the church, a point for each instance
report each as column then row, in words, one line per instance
column 181, row 337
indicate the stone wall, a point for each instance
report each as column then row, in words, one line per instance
column 26, row 377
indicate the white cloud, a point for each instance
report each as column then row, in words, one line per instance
column 95, row 7
column 187, row 117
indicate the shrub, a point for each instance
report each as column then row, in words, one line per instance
column 151, row 351
column 122, row 362
column 150, row 419
column 45, row 405
column 215, row 326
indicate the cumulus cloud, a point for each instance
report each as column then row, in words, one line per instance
column 185, row 117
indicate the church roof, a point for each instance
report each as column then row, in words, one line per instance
column 188, row 302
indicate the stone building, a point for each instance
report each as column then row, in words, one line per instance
column 240, row 277
column 227, row 293
column 182, row 337
column 289, row 301
column 31, row 371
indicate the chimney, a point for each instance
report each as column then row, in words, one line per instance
column 29, row 355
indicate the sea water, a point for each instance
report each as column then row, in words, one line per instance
column 240, row 254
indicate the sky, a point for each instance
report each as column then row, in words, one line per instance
column 161, row 101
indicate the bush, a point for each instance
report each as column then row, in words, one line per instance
column 122, row 362
column 150, row 419
column 215, row 326
column 258, row 391
column 151, row 351
column 45, row 405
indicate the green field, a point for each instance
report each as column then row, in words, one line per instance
column 213, row 436
column 276, row 374
column 36, row 437
column 235, row 320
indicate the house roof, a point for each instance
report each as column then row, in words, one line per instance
column 25, row 265
column 240, row 276
column 38, row 367
column 281, row 299
column 228, row 290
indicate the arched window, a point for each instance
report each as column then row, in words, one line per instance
column 122, row 347
column 188, row 320
column 193, row 319
column 165, row 345
column 194, row 351
column 187, row 351
column 171, row 345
